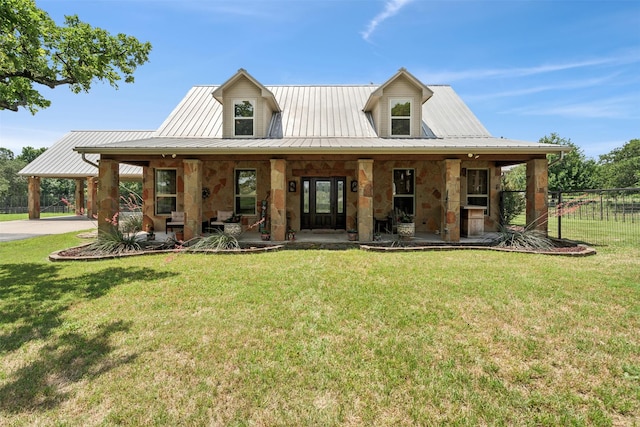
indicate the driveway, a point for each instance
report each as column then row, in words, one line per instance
column 24, row 229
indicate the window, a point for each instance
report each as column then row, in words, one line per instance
column 400, row 117
column 243, row 113
column 246, row 191
column 478, row 188
column 403, row 191
column 166, row 191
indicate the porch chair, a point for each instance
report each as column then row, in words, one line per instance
column 176, row 220
column 218, row 220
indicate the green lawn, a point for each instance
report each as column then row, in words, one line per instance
column 319, row 338
column 611, row 231
column 13, row 217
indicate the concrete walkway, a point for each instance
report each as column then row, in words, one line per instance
column 25, row 228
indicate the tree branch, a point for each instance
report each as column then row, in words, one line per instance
column 52, row 83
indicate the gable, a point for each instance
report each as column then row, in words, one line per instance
column 248, row 107
column 401, row 89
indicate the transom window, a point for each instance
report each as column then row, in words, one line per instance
column 166, row 191
column 400, row 117
column 404, row 191
column 478, row 188
column 243, row 114
column 246, row 185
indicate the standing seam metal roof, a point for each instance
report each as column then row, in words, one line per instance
column 320, row 111
column 60, row 161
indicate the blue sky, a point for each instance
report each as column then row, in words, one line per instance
column 525, row 68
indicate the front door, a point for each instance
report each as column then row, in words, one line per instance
column 323, row 203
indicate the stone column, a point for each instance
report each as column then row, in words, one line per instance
column 79, row 196
column 365, row 200
column 278, row 205
column 92, row 197
column 450, row 229
column 536, row 194
column 34, row 197
column 108, row 200
column 192, row 198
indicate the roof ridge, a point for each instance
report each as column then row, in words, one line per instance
column 112, row 130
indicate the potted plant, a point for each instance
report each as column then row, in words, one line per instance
column 232, row 225
column 291, row 234
column 265, row 235
column 150, row 232
column 352, row 233
column 406, row 227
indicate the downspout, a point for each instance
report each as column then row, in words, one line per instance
column 89, row 161
column 559, row 159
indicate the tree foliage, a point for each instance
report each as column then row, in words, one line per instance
column 620, row 168
column 10, row 183
column 574, row 172
column 29, row 154
column 34, row 50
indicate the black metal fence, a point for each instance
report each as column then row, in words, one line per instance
column 597, row 217
column 48, row 203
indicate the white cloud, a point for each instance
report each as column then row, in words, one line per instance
column 559, row 86
column 449, row 76
column 392, row 7
column 623, row 107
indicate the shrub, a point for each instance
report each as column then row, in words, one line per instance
column 115, row 242
column 513, row 204
column 218, row 241
column 131, row 224
column 522, row 238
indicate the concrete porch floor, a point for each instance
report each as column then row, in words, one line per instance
column 337, row 239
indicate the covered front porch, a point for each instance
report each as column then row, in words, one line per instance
column 338, row 239
column 436, row 194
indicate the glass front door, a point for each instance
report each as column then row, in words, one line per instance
column 323, row 203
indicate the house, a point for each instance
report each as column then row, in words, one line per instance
column 323, row 157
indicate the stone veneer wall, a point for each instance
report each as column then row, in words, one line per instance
column 320, row 168
column 218, row 177
column 495, row 175
column 428, row 191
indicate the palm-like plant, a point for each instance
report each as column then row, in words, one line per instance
column 522, row 238
column 115, row 242
column 218, row 241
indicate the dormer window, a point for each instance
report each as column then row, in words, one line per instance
column 400, row 116
column 243, row 112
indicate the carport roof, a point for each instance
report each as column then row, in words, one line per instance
column 60, row 161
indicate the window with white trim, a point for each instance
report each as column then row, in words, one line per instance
column 404, row 191
column 166, row 191
column 478, row 188
column 400, row 110
column 243, row 117
column 246, row 185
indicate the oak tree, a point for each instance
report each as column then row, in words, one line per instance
column 34, row 50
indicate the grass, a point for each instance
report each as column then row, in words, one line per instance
column 319, row 338
column 14, row 217
column 594, row 231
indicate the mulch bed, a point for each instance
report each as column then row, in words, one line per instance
column 578, row 250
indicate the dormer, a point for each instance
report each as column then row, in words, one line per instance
column 248, row 107
column 396, row 106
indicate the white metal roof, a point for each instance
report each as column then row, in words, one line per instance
column 313, row 119
column 324, row 145
column 320, row 111
column 60, row 161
